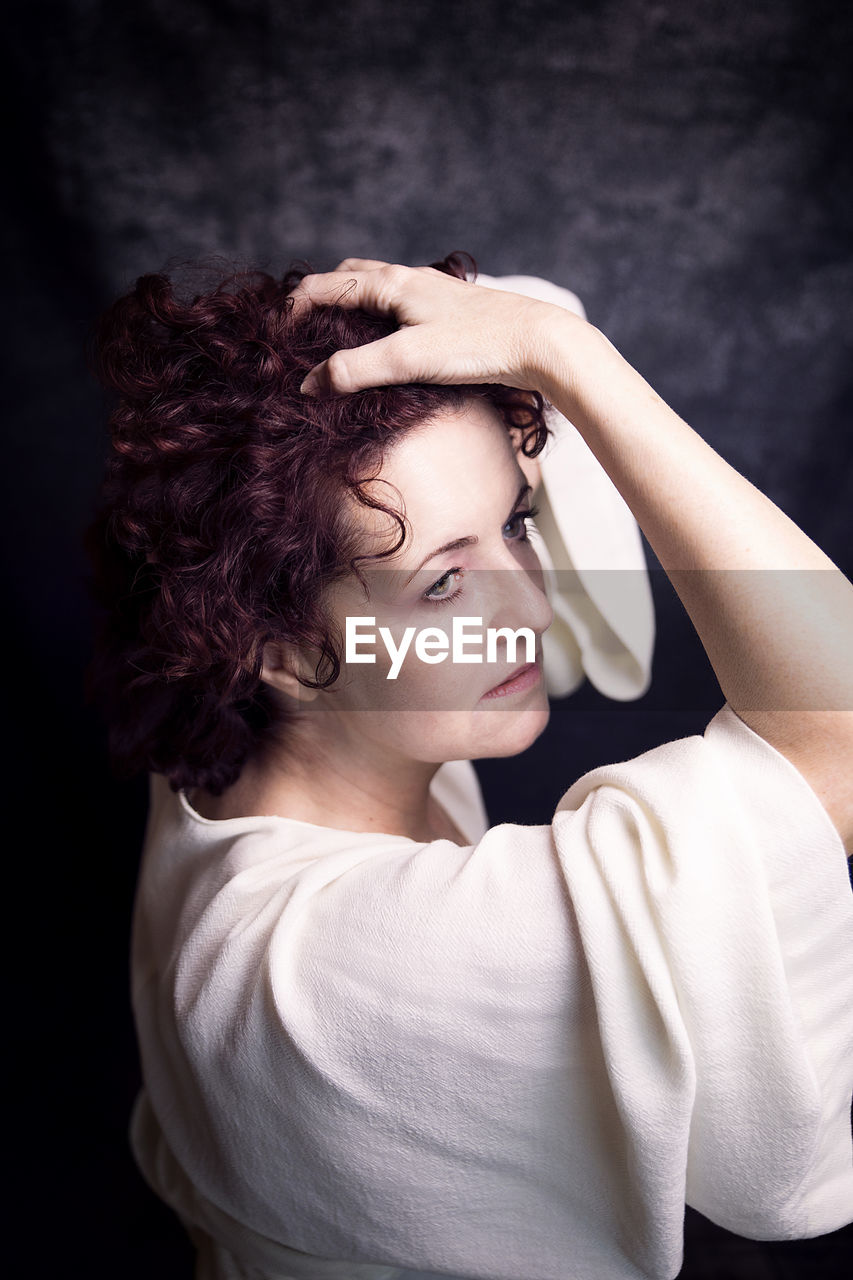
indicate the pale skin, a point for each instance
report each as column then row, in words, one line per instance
column 779, row 642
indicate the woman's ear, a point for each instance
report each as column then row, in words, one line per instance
column 283, row 665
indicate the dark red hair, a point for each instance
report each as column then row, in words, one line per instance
column 221, row 521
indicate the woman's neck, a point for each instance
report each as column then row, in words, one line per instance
column 330, row 782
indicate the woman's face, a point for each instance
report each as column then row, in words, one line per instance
column 457, row 481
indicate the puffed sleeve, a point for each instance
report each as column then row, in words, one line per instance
column 722, row 949
column 523, row 1057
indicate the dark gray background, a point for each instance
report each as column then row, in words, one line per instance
column 683, row 167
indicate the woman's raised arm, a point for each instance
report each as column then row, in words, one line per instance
column 773, row 612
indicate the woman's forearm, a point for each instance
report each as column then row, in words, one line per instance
column 773, row 612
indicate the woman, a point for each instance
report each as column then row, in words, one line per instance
column 377, row 1037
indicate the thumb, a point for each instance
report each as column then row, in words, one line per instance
column 376, row 364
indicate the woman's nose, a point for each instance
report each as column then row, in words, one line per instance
column 517, row 598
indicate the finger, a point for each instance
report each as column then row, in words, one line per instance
column 325, row 289
column 376, row 364
column 381, row 291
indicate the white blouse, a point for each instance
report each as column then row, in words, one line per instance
column 366, row 1056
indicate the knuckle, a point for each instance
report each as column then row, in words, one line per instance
column 302, row 291
column 396, row 274
column 337, row 370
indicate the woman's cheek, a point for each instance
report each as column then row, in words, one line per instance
column 417, row 672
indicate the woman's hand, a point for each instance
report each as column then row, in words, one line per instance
column 451, row 331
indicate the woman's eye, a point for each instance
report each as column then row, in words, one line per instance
column 516, row 526
column 443, row 589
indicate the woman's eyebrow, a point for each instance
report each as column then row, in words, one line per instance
column 470, row 541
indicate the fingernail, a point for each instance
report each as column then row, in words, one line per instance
column 311, row 385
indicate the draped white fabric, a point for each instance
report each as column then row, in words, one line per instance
column 515, row 1060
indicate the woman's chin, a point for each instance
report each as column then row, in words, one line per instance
column 510, row 734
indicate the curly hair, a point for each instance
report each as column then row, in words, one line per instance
column 220, row 521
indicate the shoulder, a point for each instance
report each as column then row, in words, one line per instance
column 457, row 789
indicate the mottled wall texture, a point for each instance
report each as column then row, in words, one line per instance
column 683, row 167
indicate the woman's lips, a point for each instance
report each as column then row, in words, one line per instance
column 521, row 679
